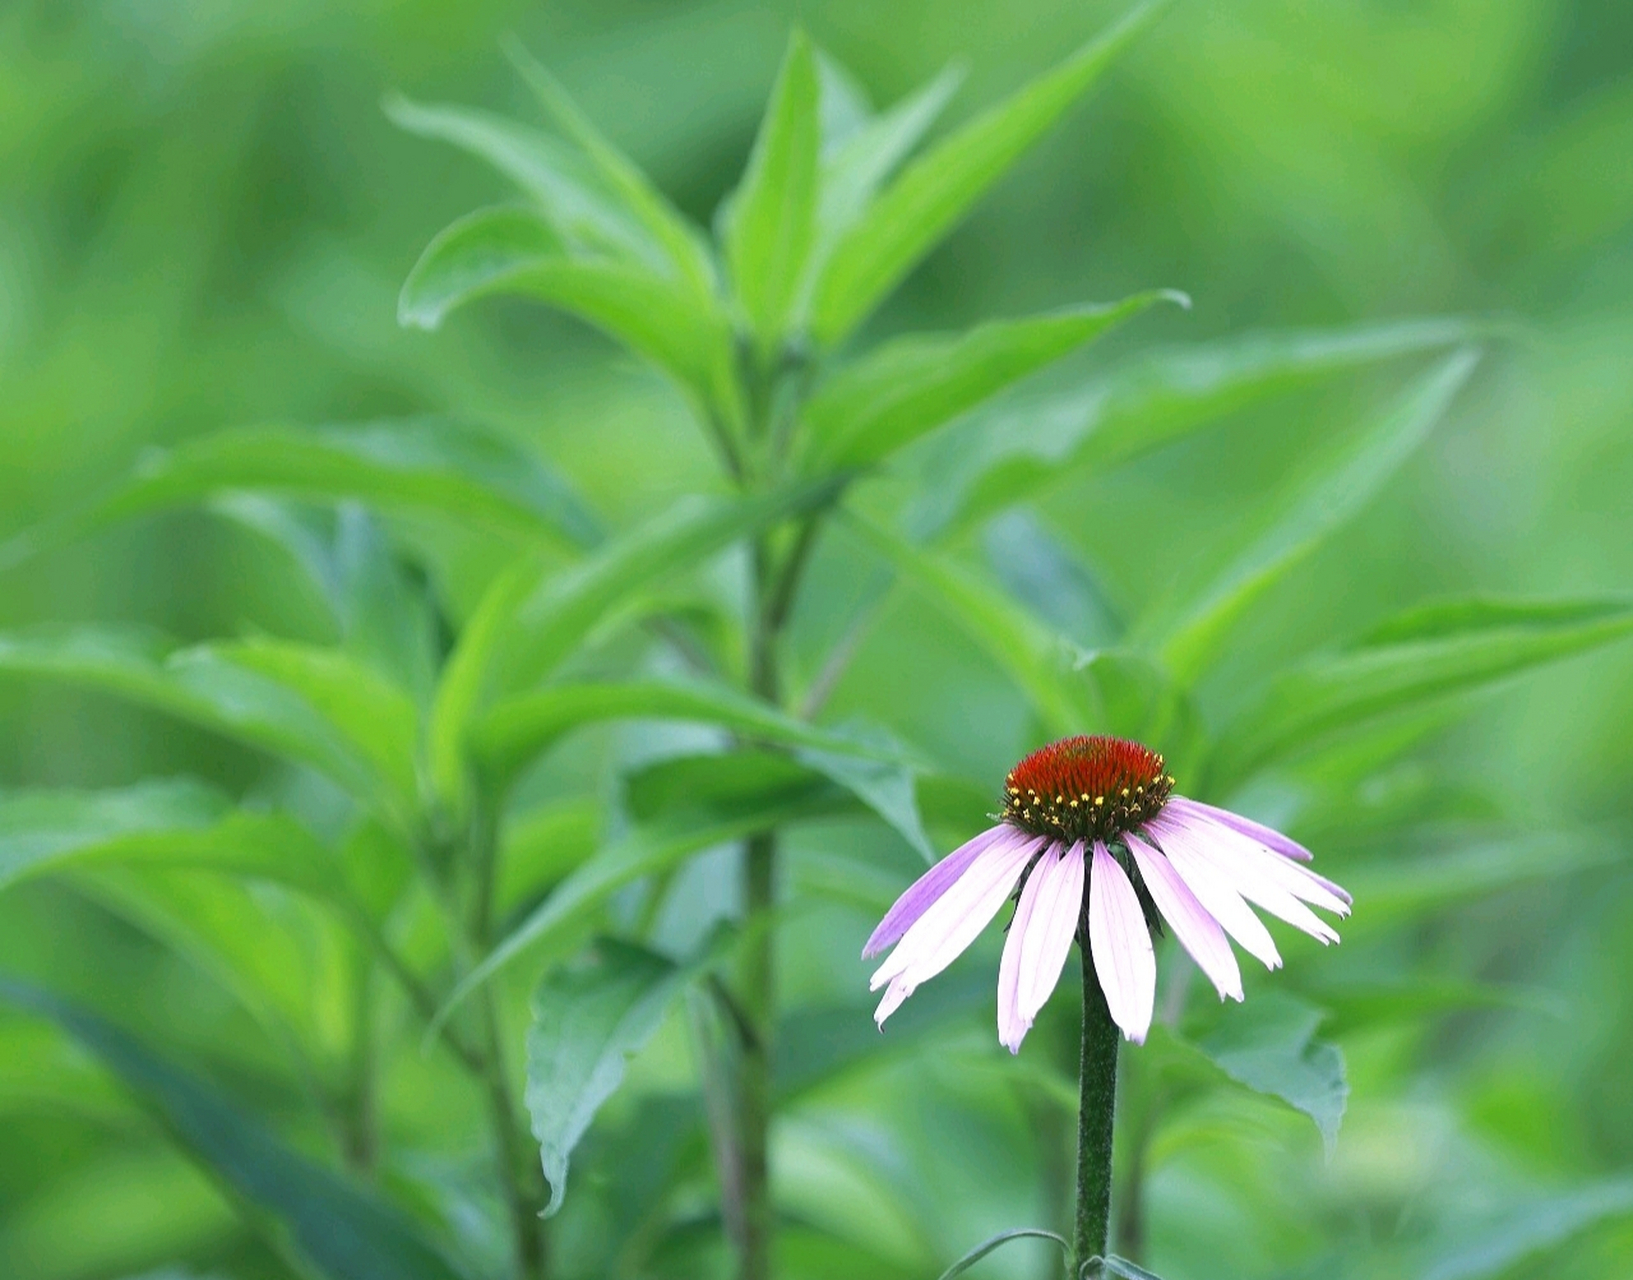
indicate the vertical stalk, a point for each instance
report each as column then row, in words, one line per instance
column 1097, row 1101
column 757, row 978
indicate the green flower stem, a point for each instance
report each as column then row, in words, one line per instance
column 1097, row 1103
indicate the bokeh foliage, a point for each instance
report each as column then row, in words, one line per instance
column 204, row 223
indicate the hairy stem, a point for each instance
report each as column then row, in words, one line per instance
column 1097, row 1101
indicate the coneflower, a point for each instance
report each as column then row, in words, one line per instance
column 1101, row 848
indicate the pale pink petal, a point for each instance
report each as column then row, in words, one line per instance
column 1242, row 855
column 1012, row 1025
column 1251, row 876
column 1198, row 932
column 1053, row 928
column 1269, row 837
column 1219, row 898
column 924, row 891
column 948, row 927
column 1121, row 945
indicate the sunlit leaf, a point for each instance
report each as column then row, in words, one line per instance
column 514, row 251
column 1449, row 649
column 342, row 1231
column 772, row 216
column 1146, row 401
column 934, row 192
column 589, row 1017
column 909, row 387
column 1192, row 633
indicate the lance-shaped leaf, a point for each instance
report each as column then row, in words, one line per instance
column 1192, row 632
column 622, row 178
column 998, row 1241
column 713, row 801
column 1145, row 402
column 569, row 188
column 1042, row 663
column 518, row 729
column 274, row 708
column 934, row 192
column 170, row 823
column 911, row 386
column 529, row 622
column 515, row 251
column 772, row 216
column 1426, row 654
column 335, row 1227
column 860, row 160
column 589, row 1018
column 415, row 465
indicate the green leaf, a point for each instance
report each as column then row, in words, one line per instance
column 378, row 719
column 513, row 251
column 344, row 1232
column 1270, row 1045
column 161, row 823
column 880, row 779
column 589, row 1018
column 772, row 215
column 1194, row 633
column 866, row 156
column 413, row 465
column 1449, row 649
column 571, row 189
column 680, row 814
column 217, row 689
column 530, row 622
column 909, row 387
column 1042, row 663
column 541, row 845
column 518, row 729
column 998, row 1241
column 932, row 195
column 646, row 205
column 1532, row 1227
column 1145, row 402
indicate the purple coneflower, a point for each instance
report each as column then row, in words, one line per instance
column 1101, row 847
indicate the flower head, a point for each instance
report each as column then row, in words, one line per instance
column 1101, row 849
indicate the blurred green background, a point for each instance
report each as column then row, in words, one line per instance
column 204, row 221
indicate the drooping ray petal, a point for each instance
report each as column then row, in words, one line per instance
column 944, row 931
column 1250, row 877
column 1220, row 899
column 1012, row 1023
column 1049, row 940
column 1121, row 946
column 1234, row 850
column 1198, row 932
column 1268, row 836
column 924, row 891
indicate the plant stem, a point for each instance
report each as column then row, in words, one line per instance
column 756, row 979
column 1097, row 1100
